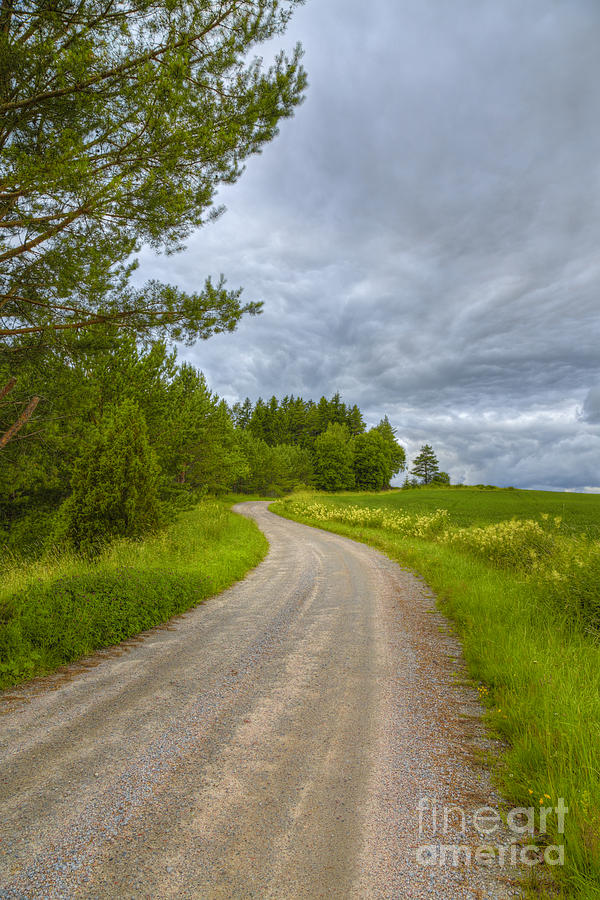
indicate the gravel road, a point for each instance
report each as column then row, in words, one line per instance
column 274, row 742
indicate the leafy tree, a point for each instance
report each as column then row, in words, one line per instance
column 289, row 466
column 441, row 478
column 39, row 460
column 115, row 483
column 333, row 459
column 371, row 461
column 396, row 457
column 76, row 387
column 118, row 122
column 425, row 465
column 272, row 469
column 189, row 428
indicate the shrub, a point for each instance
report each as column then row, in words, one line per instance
column 115, row 484
column 572, row 583
column 56, row 622
column 515, row 544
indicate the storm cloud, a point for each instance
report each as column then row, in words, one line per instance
column 425, row 234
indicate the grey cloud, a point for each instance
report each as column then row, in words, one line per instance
column 591, row 406
column 425, row 233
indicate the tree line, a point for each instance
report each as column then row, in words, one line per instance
column 124, row 433
column 330, row 436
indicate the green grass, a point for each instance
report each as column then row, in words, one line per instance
column 475, row 506
column 540, row 665
column 62, row 607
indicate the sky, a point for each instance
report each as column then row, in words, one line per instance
column 425, row 235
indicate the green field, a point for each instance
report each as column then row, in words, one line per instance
column 518, row 573
column 475, row 506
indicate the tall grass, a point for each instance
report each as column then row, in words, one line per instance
column 62, row 606
column 523, row 596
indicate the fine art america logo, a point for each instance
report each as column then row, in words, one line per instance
column 488, row 839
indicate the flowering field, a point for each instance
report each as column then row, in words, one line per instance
column 579, row 513
column 518, row 543
column 306, row 507
column 519, row 575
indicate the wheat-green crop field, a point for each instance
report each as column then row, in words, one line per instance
column 580, row 513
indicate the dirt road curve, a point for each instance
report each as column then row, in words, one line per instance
column 272, row 743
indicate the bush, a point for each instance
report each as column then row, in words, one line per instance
column 274, row 491
column 572, row 584
column 59, row 621
column 514, row 544
column 27, row 535
column 115, row 484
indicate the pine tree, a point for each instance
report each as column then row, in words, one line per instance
column 425, row 465
column 242, row 413
column 355, row 421
column 119, row 123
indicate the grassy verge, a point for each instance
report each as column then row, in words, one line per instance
column 62, row 607
column 538, row 664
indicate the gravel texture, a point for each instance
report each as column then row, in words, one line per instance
column 271, row 743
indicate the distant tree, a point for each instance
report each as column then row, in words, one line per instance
column 258, row 425
column 370, row 461
column 410, row 483
column 333, row 458
column 276, row 469
column 275, row 422
column 355, row 421
column 312, row 427
column 115, row 483
column 441, row 478
column 296, row 421
column 242, row 413
column 289, row 466
column 257, row 476
column 425, row 465
column 324, row 414
column 396, row 457
column 338, row 411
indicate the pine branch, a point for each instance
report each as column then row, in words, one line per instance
column 22, row 420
